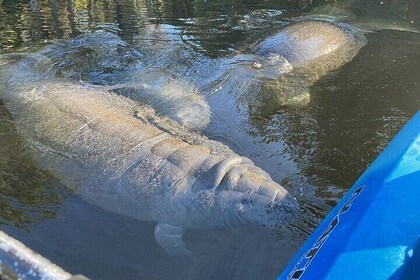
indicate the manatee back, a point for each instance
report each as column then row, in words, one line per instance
column 306, row 41
column 313, row 48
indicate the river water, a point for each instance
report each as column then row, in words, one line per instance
column 316, row 151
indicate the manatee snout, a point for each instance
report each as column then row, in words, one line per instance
column 256, row 198
column 269, row 205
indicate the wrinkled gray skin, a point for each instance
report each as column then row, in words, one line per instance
column 118, row 155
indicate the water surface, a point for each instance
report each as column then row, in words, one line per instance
column 316, row 151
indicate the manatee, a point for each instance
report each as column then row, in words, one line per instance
column 306, row 41
column 120, row 156
column 103, row 58
column 100, row 57
column 313, row 48
column 168, row 96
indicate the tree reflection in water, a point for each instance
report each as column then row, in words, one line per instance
column 27, row 193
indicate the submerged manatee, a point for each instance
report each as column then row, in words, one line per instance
column 306, row 41
column 118, row 155
column 313, row 48
column 100, row 57
column 168, row 96
column 103, row 58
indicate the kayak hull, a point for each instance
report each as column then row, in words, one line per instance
column 373, row 232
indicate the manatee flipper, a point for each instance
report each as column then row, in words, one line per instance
column 170, row 238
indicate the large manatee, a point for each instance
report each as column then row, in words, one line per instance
column 118, row 155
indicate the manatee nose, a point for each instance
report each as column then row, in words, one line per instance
column 240, row 174
column 273, row 192
column 261, row 184
column 280, row 200
column 270, row 192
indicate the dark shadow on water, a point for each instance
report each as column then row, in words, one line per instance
column 102, row 245
column 411, row 269
column 28, row 194
column 354, row 113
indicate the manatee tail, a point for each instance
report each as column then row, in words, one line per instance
column 170, row 238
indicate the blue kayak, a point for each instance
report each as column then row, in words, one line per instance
column 373, row 232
